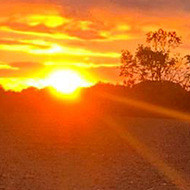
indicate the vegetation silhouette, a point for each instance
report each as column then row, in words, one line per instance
column 94, row 104
column 156, row 61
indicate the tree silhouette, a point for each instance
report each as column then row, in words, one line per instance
column 156, row 61
column 163, row 41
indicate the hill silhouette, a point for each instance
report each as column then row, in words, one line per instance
column 95, row 101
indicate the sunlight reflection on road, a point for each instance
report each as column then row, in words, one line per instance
column 162, row 167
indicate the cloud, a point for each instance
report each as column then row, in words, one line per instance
column 34, row 43
column 40, row 47
column 51, row 21
column 85, row 65
column 17, row 69
column 105, row 20
column 7, row 67
column 26, row 65
column 18, row 84
column 84, row 7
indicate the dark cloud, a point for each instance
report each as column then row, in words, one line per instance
column 144, row 5
column 85, row 5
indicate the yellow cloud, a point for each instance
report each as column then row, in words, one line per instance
column 51, row 21
column 57, row 35
column 112, row 36
column 57, row 49
column 7, row 67
column 85, row 25
column 18, row 84
column 123, row 27
column 33, row 47
column 80, row 64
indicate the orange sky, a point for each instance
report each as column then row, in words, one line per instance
column 38, row 37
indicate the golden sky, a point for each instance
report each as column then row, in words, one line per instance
column 39, row 37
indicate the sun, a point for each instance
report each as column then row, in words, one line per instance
column 66, row 81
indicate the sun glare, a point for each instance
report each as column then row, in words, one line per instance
column 66, row 81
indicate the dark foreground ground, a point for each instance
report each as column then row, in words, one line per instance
column 109, row 154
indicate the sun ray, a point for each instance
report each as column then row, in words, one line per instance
column 148, row 107
column 176, row 177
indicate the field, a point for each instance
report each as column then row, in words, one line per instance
column 107, row 154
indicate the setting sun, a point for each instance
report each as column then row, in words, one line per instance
column 66, row 81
